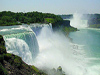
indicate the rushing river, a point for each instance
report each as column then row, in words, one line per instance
column 45, row 49
column 90, row 40
column 38, row 45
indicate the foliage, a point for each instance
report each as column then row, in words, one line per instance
column 3, row 70
column 2, row 49
column 7, row 56
column 2, row 45
column 13, row 59
column 94, row 20
column 10, row 18
column 95, row 26
column 11, row 64
column 1, row 58
column 49, row 20
column 35, row 68
column 17, row 62
column 66, row 16
column 68, row 29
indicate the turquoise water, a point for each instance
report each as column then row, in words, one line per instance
column 90, row 39
column 21, row 40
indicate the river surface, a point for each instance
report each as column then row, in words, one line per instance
column 46, row 49
column 90, row 40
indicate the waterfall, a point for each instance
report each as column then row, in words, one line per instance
column 56, row 50
column 47, row 49
column 21, row 42
column 78, row 22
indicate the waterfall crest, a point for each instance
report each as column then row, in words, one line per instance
column 23, row 43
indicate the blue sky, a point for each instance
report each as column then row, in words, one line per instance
column 51, row 6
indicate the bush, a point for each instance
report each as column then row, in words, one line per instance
column 17, row 62
column 7, row 56
column 35, row 68
column 2, row 49
column 13, row 60
column 1, row 58
column 3, row 70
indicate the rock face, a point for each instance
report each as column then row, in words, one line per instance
column 61, row 23
column 11, row 64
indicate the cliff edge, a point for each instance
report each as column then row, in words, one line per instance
column 11, row 64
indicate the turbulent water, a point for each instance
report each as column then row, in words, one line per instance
column 90, row 40
column 38, row 45
column 21, row 40
column 56, row 50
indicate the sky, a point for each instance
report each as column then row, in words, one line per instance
column 51, row 6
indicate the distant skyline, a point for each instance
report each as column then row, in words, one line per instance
column 51, row 6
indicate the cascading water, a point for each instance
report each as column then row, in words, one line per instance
column 56, row 50
column 22, row 42
column 74, row 57
column 78, row 22
column 89, row 39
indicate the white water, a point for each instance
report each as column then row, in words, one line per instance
column 19, row 47
column 86, row 37
column 24, row 45
column 78, row 22
column 56, row 50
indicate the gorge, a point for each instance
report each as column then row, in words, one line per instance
column 39, row 45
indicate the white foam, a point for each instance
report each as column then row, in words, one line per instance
column 18, row 47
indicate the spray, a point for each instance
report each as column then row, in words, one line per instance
column 56, row 50
column 78, row 21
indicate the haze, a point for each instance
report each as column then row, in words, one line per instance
column 51, row 6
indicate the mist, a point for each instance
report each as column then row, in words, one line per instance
column 57, row 50
column 79, row 21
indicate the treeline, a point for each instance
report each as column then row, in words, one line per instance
column 94, row 19
column 12, row 18
column 66, row 16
